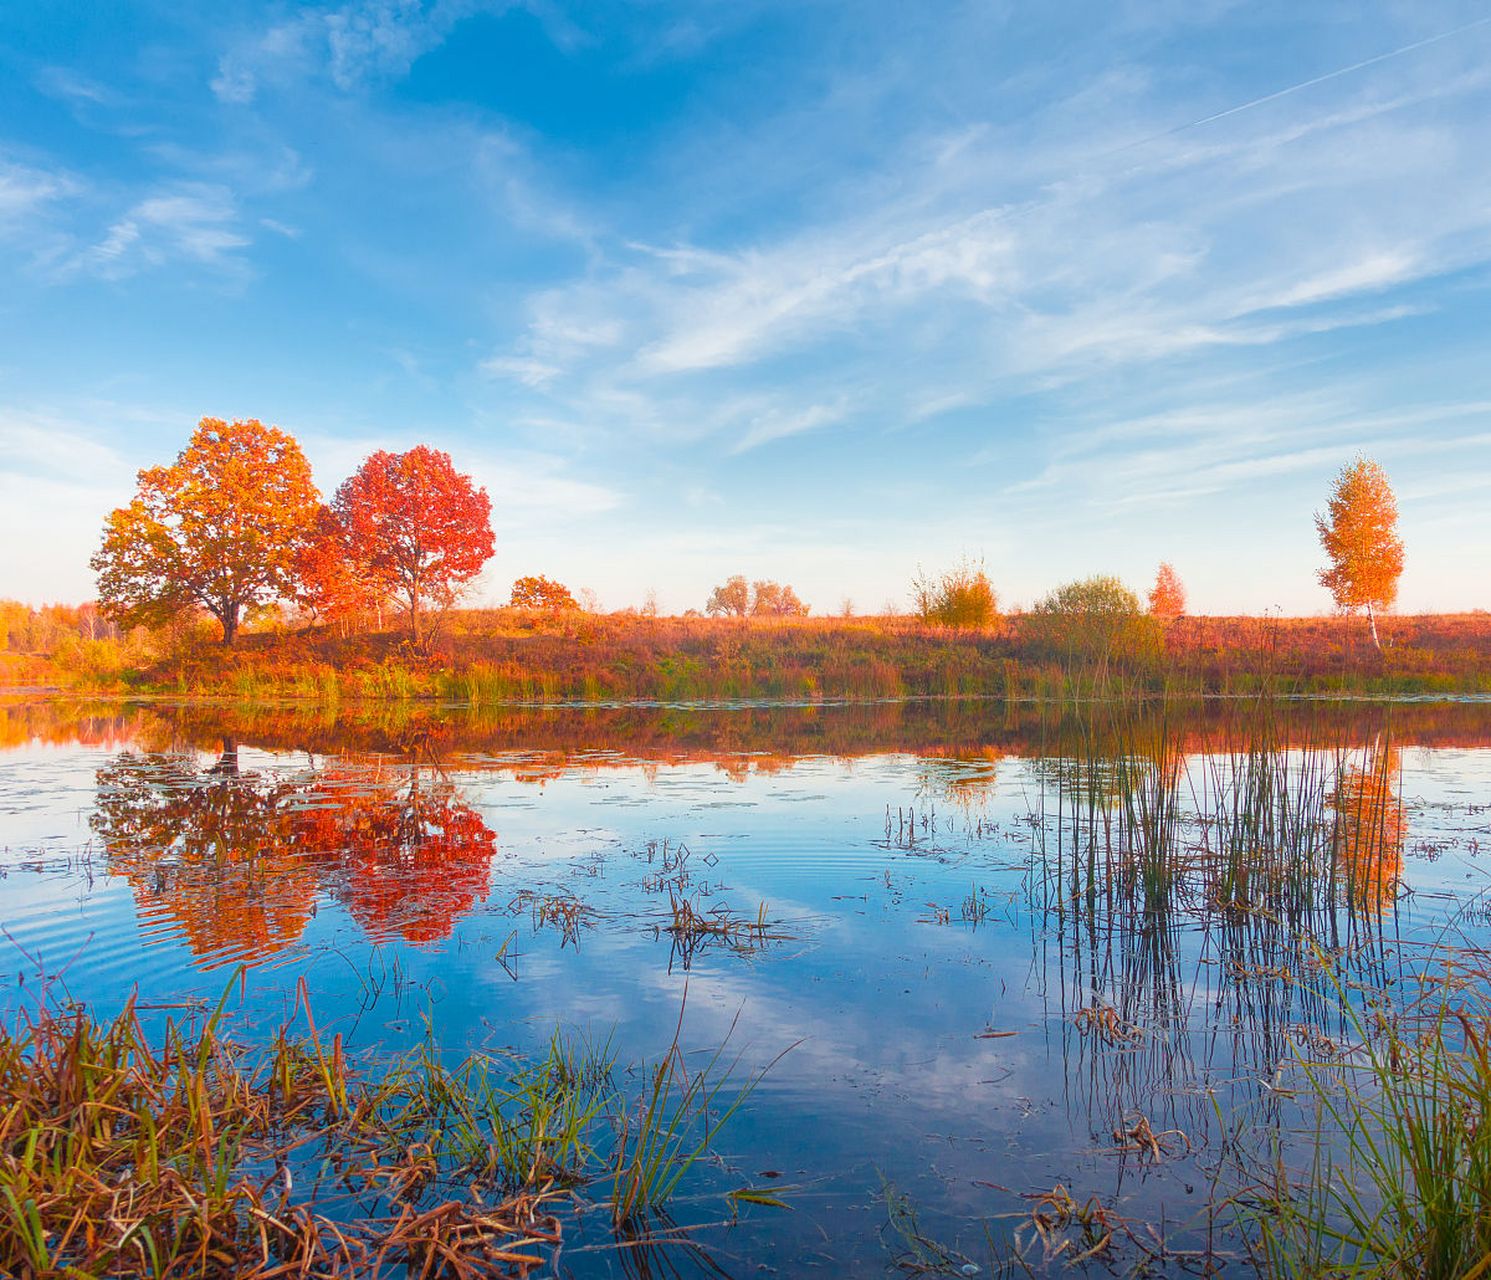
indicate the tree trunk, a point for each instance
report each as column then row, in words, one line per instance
column 1372, row 619
column 229, row 619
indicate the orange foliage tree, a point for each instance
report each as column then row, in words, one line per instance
column 1359, row 531
column 219, row 529
column 421, row 528
column 961, row 597
column 732, row 598
column 776, row 600
column 538, row 592
column 1167, row 598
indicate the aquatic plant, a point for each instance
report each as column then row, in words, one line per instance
column 1398, row 1180
column 188, row 1154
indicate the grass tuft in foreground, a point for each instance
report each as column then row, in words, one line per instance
column 1398, row 1181
column 187, row 1154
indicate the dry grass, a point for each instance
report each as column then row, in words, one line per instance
column 487, row 656
column 188, row 1154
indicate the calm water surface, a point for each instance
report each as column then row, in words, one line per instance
column 983, row 983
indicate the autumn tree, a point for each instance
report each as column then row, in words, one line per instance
column 1359, row 531
column 776, row 600
column 421, row 528
column 1167, row 598
column 732, row 598
column 219, row 529
column 332, row 582
column 538, row 592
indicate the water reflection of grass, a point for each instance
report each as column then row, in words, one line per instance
column 186, row 1154
column 1266, row 876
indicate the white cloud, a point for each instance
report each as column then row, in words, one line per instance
column 528, row 370
column 234, row 83
column 198, row 222
column 26, row 190
column 351, row 45
column 778, row 424
column 1366, row 274
column 40, row 445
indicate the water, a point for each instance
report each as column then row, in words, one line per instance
column 971, row 988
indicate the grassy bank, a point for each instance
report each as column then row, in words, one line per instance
column 185, row 1153
column 490, row 656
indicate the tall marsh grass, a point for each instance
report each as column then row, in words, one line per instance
column 1397, row 1182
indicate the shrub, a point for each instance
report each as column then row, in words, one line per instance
column 961, row 597
column 1091, row 620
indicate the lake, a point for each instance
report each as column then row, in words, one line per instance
column 987, row 955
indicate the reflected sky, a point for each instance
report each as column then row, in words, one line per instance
column 963, row 1023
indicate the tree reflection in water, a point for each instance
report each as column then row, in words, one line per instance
column 1371, row 827
column 236, row 860
column 401, row 850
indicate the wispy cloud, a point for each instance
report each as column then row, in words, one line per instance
column 197, row 222
column 26, row 189
column 995, row 262
column 350, row 44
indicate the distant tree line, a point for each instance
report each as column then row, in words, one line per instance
column 735, row 598
column 236, row 524
column 1358, row 531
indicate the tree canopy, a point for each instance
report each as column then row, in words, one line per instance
column 333, row 583
column 776, row 600
column 539, row 592
column 219, row 529
column 731, row 598
column 1359, row 531
column 1167, row 598
column 1093, row 618
column 422, row 528
column 735, row 597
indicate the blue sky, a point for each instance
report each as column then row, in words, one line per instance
column 817, row 292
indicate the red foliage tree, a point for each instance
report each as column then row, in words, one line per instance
column 421, row 528
column 333, row 583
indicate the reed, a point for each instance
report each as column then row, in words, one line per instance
column 673, row 1125
column 1398, row 1182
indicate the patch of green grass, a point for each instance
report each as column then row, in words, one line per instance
column 187, row 1154
column 1398, row 1181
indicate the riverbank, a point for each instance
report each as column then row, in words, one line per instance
column 489, row 656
